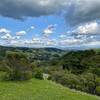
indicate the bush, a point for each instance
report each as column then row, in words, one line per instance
column 98, row 90
column 66, row 79
column 27, row 75
column 88, row 82
column 38, row 73
column 71, row 80
column 3, row 66
column 97, row 81
column 97, row 71
column 57, row 76
column 33, row 66
column 19, row 75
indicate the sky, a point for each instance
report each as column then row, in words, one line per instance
column 50, row 23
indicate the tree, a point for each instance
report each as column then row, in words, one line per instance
column 18, row 66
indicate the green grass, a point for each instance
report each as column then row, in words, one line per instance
column 39, row 90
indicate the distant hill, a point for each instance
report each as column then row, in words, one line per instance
column 41, row 55
column 3, row 48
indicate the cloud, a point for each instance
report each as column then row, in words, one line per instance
column 62, row 36
column 49, row 30
column 4, row 30
column 19, row 9
column 82, row 11
column 21, row 33
column 91, row 28
column 52, row 27
column 75, row 11
column 37, row 40
column 51, row 42
column 34, row 42
column 86, row 33
column 7, row 37
column 17, row 37
column 32, row 27
column 71, row 42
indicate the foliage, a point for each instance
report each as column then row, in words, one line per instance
column 74, row 69
column 38, row 73
column 97, row 81
column 19, row 68
column 85, row 82
column 76, row 61
column 98, row 90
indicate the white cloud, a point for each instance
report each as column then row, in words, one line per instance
column 32, row 27
column 62, row 36
column 21, row 33
column 51, row 42
column 17, row 37
column 37, row 40
column 7, row 37
column 69, row 42
column 41, row 41
column 88, row 28
column 4, row 30
column 49, row 30
column 93, row 43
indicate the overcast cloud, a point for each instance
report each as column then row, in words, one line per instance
column 83, row 11
column 20, row 9
column 76, row 11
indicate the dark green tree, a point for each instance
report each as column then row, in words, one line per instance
column 18, row 66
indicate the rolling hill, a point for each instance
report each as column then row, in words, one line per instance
column 39, row 90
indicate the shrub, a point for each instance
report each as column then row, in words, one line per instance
column 57, row 76
column 33, row 66
column 3, row 66
column 97, row 71
column 38, row 73
column 66, row 79
column 71, row 80
column 98, row 90
column 19, row 75
column 88, row 80
column 27, row 75
column 97, row 81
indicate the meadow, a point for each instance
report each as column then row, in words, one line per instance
column 35, row 89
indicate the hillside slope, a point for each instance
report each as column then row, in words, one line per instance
column 39, row 90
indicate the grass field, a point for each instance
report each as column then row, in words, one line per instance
column 39, row 90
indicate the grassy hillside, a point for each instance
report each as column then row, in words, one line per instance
column 39, row 90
